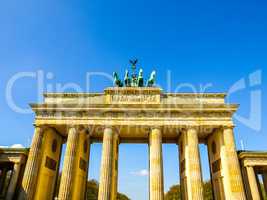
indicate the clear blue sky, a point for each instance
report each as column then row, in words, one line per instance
column 199, row 42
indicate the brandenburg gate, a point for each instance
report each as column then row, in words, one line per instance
column 132, row 115
column 131, row 112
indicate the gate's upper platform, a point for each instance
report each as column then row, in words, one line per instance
column 131, row 95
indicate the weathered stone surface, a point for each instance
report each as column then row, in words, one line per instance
column 146, row 115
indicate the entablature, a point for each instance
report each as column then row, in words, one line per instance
column 134, row 95
column 253, row 158
column 133, row 109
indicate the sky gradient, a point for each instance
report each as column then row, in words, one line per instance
column 193, row 43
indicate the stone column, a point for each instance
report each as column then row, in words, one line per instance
column 80, row 173
column 156, row 185
column 68, row 166
column 3, row 178
column 252, row 180
column 13, row 181
column 115, row 166
column 50, row 161
column 32, row 166
column 231, row 167
column 192, row 165
column 106, row 166
column 264, row 178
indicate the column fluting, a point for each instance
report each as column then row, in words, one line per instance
column 232, row 165
column 32, row 166
column 252, row 180
column 115, row 152
column 13, row 181
column 106, row 166
column 68, row 166
column 156, row 185
column 264, row 178
column 193, row 165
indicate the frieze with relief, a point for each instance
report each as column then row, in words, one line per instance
column 132, row 114
column 133, row 95
column 134, row 99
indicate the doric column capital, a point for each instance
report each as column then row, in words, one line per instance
column 43, row 126
column 75, row 126
column 227, row 126
column 190, row 127
column 156, row 127
column 115, row 129
column 79, row 129
column 84, row 129
column 40, row 127
column 249, row 165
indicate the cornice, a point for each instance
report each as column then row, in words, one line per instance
column 197, row 95
column 133, row 89
column 82, row 106
column 70, row 94
column 252, row 154
column 9, row 150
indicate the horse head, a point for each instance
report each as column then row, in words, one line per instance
column 153, row 75
column 126, row 74
column 115, row 75
column 140, row 73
